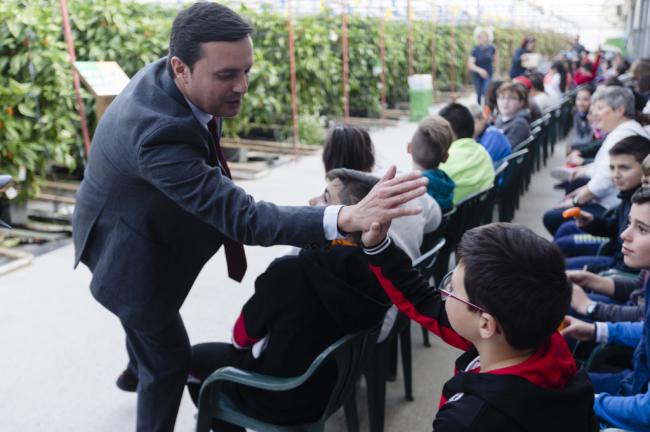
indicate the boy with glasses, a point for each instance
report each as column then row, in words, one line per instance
column 502, row 305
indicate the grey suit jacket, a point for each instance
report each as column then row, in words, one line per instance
column 154, row 206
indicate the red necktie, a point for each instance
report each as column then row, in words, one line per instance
column 235, row 256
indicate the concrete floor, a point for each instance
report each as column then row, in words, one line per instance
column 61, row 352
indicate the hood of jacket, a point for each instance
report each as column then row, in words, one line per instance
column 543, row 393
column 345, row 286
column 441, row 188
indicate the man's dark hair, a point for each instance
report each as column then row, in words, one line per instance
column 356, row 184
column 348, row 147
column 537, row 80
column 634, row 145
column 200, row 23
column 518, row 277
column 460, row 119
column 641, row 196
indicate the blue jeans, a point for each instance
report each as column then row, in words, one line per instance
column 480, row 85
column 595, row 264
column 572, row 241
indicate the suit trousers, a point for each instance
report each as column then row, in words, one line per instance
column 162, row 360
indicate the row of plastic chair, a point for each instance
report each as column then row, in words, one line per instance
column 513, row 176
column 359, row 355
column 356, row 356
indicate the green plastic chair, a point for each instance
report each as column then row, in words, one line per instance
column 350, row 353
column 426, row 263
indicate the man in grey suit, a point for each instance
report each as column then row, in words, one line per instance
column 157, row 201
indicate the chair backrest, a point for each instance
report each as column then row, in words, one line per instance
column 426, row 263
column 350, row 353
column 524, row 144
column 429, row 240
column 472, row 209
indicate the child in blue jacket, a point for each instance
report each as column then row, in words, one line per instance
column 623, row 398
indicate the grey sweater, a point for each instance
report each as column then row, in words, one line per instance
column 626, row 290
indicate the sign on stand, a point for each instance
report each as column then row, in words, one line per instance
column 104, row 79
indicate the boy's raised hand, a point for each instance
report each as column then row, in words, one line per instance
column 375, row 235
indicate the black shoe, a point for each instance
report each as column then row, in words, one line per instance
column 127, row 381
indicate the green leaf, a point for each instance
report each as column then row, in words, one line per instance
column 25, row 110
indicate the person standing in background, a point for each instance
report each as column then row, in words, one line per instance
column 481, row 60
column 527, row 47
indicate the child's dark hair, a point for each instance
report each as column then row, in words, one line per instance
column 515, row 89
column 586, row 87
column 641, row 196
column 559, row 67
column 460, row 119
column 491, row 94
column 634, row 145
column 537, row 81
column 356, row 184
column 348, row 147
column 519, row 278
column 431, row 142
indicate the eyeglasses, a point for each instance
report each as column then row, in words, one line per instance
column 446, row 291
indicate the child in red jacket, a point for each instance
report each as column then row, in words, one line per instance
column 501, row 305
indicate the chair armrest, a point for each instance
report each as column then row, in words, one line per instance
column 256, row 380
column 266, row 382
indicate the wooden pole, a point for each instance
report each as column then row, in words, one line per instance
column 67, row 33
column 410, row 38
column 452, row 65
column 433, row 49
column 344, row 37
column 382, row 56
column 294, row 92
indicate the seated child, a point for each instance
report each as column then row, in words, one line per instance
column 348, row 147
column 514, row 116
column 537, row 92
column 469, row 165
column 625, row 161
column 583, row 138
column 491, row 138
column 623, row 398
column 352, row 148
column 501, row 305
column 428, row 148
column 302, row 304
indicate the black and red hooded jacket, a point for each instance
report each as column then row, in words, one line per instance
column 544, row 393
column 302, row 304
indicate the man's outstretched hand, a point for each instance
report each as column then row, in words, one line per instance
column 382, row 204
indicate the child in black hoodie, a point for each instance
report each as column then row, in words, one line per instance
column 501, row 305
column 302, row 304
